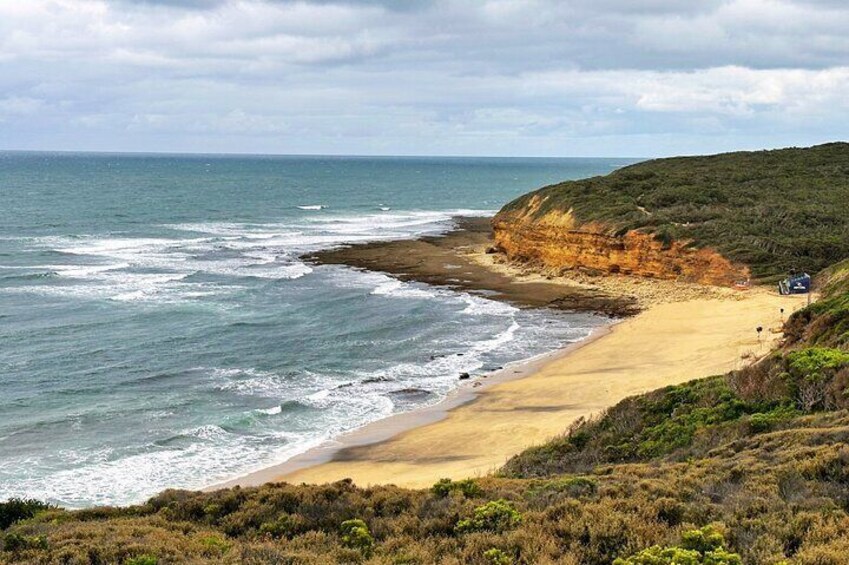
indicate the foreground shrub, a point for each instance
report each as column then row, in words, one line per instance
column 142, row 560
column 444, row 487
column 698, row 547
column 572, row 486
column 494, row 516
column 356, row 535
column 497, row 557
column 767, row 421
column 678, row 556
column 285, row 526
column 16, row 509
column 811, row 370
column 704, row 540
column 18, row 542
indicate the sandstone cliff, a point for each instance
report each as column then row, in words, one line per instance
column 557, row 241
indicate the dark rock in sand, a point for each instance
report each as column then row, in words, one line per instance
column 372, row 380
column 411, row 393
column 464, row 376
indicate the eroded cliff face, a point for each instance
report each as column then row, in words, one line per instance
column 556, row 241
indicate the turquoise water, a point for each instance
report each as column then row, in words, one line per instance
column 157, row 328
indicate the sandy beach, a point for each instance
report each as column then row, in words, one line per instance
column 683, row 332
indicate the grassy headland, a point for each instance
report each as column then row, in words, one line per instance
column 771, row 210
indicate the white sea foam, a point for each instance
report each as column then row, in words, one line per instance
column 477, row 306
column 84, row 271
column 208, row 432
column 318, row 397
column 146, row 269
column 312, row 207
column 399, row 289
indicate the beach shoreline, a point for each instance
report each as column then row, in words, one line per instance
column 706, row 330
column 386, row 428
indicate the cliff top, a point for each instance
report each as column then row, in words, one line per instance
column 772, row 210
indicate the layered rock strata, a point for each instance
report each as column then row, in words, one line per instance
column 557, row 241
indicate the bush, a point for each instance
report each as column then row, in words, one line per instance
column 657, row 555
column 356, row 535
column 812, row 362
column 699, row 547
column 284, row 526
column 810, row 371
column 494, row 516
column 572, row 486
column 215, row 545
column 497, row 557
column 142, row 560
column 704, row 540
column 17, row 542
column 766, row 421
column 444, row 487
column 16, row 509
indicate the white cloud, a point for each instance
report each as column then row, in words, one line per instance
column 440, row 76
column 19, row 106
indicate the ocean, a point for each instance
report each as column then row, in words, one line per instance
column 158, row 329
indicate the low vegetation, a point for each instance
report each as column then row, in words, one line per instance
column 698, row 547
column 772, row 210
column 748, row 468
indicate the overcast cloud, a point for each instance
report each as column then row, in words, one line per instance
column 497, row 77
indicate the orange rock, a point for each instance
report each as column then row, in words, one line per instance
column 557, row 241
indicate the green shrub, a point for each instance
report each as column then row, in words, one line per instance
column 356, row 535
column 143, row 559
column 573, row 486
column 16, row 509
column 444, row 487
column 13, row 542
column 497, row 557
column 703, row 540
column 809, row 372
column 813, row 362
column 766, row 421
column 284, row 526
column 494, row 516
column 657, row 555
column 699, row 547
column 216, row 544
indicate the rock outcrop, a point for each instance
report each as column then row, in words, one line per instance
column 557, row 241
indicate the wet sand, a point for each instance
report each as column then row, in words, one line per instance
column 674, row 339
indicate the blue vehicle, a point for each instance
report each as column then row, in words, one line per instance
column 795, row 284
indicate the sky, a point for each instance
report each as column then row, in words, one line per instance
column 630, row 78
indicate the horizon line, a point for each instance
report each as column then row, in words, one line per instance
column 338, row 155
